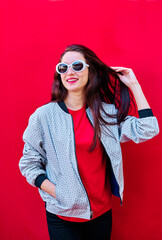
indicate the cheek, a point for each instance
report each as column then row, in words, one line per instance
column 62, row 78
column 85, row 76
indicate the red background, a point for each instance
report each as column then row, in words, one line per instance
column 33, row 35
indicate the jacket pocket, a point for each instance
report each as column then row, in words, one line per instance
column 69, row 193
column 62, row 192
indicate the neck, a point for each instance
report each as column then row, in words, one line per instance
column 75, row 101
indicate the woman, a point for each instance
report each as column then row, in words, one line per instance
column 72, row 144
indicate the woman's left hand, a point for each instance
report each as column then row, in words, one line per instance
column 128, row 77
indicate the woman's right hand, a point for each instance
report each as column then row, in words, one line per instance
column 48, row 187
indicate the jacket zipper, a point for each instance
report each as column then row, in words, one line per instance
column 91, row 212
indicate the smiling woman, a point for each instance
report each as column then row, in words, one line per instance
column 73, row 80
column 72, row 144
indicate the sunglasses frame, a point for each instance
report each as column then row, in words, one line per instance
column 70, row 65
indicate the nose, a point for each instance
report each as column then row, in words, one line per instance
column 70, row 70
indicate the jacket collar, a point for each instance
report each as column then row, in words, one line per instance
column 63, row 106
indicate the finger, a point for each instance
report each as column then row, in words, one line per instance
column 121, row 68
column 117, row 67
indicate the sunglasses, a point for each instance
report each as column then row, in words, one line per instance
column 77, row 66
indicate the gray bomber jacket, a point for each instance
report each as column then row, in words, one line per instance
column 49, row 151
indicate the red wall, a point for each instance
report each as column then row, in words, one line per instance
column 33, row 35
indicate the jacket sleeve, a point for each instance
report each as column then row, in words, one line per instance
column 139, row 129
column 32, row 164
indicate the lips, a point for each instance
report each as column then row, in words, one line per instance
column 70, row 80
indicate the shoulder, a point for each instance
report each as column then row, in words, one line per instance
column 40, row 116
column 109, row 112
column 109, row 108
column 43, row 113
column 44, row 110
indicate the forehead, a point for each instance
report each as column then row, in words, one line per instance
column 71, row 56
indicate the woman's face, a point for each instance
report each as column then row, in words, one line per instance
column 74, row 81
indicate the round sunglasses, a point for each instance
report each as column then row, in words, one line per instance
column 77, row 66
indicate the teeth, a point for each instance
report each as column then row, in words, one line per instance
column 72, row 80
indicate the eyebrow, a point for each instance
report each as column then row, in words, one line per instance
column 72, row 61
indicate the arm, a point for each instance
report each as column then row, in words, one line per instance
column 146, row 126
column 32, row 164
column 139, row 97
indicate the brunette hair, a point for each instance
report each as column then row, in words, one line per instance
column 103, row 85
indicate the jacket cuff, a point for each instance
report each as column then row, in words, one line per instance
column 40, row 179
column 145, row 113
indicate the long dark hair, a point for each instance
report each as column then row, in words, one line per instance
column 103, row 85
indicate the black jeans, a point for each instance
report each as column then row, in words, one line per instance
column 96, row 229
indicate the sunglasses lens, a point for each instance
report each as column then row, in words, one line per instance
column 62, row 68
column 78, row 66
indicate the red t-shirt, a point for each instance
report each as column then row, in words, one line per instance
column 91, row 165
